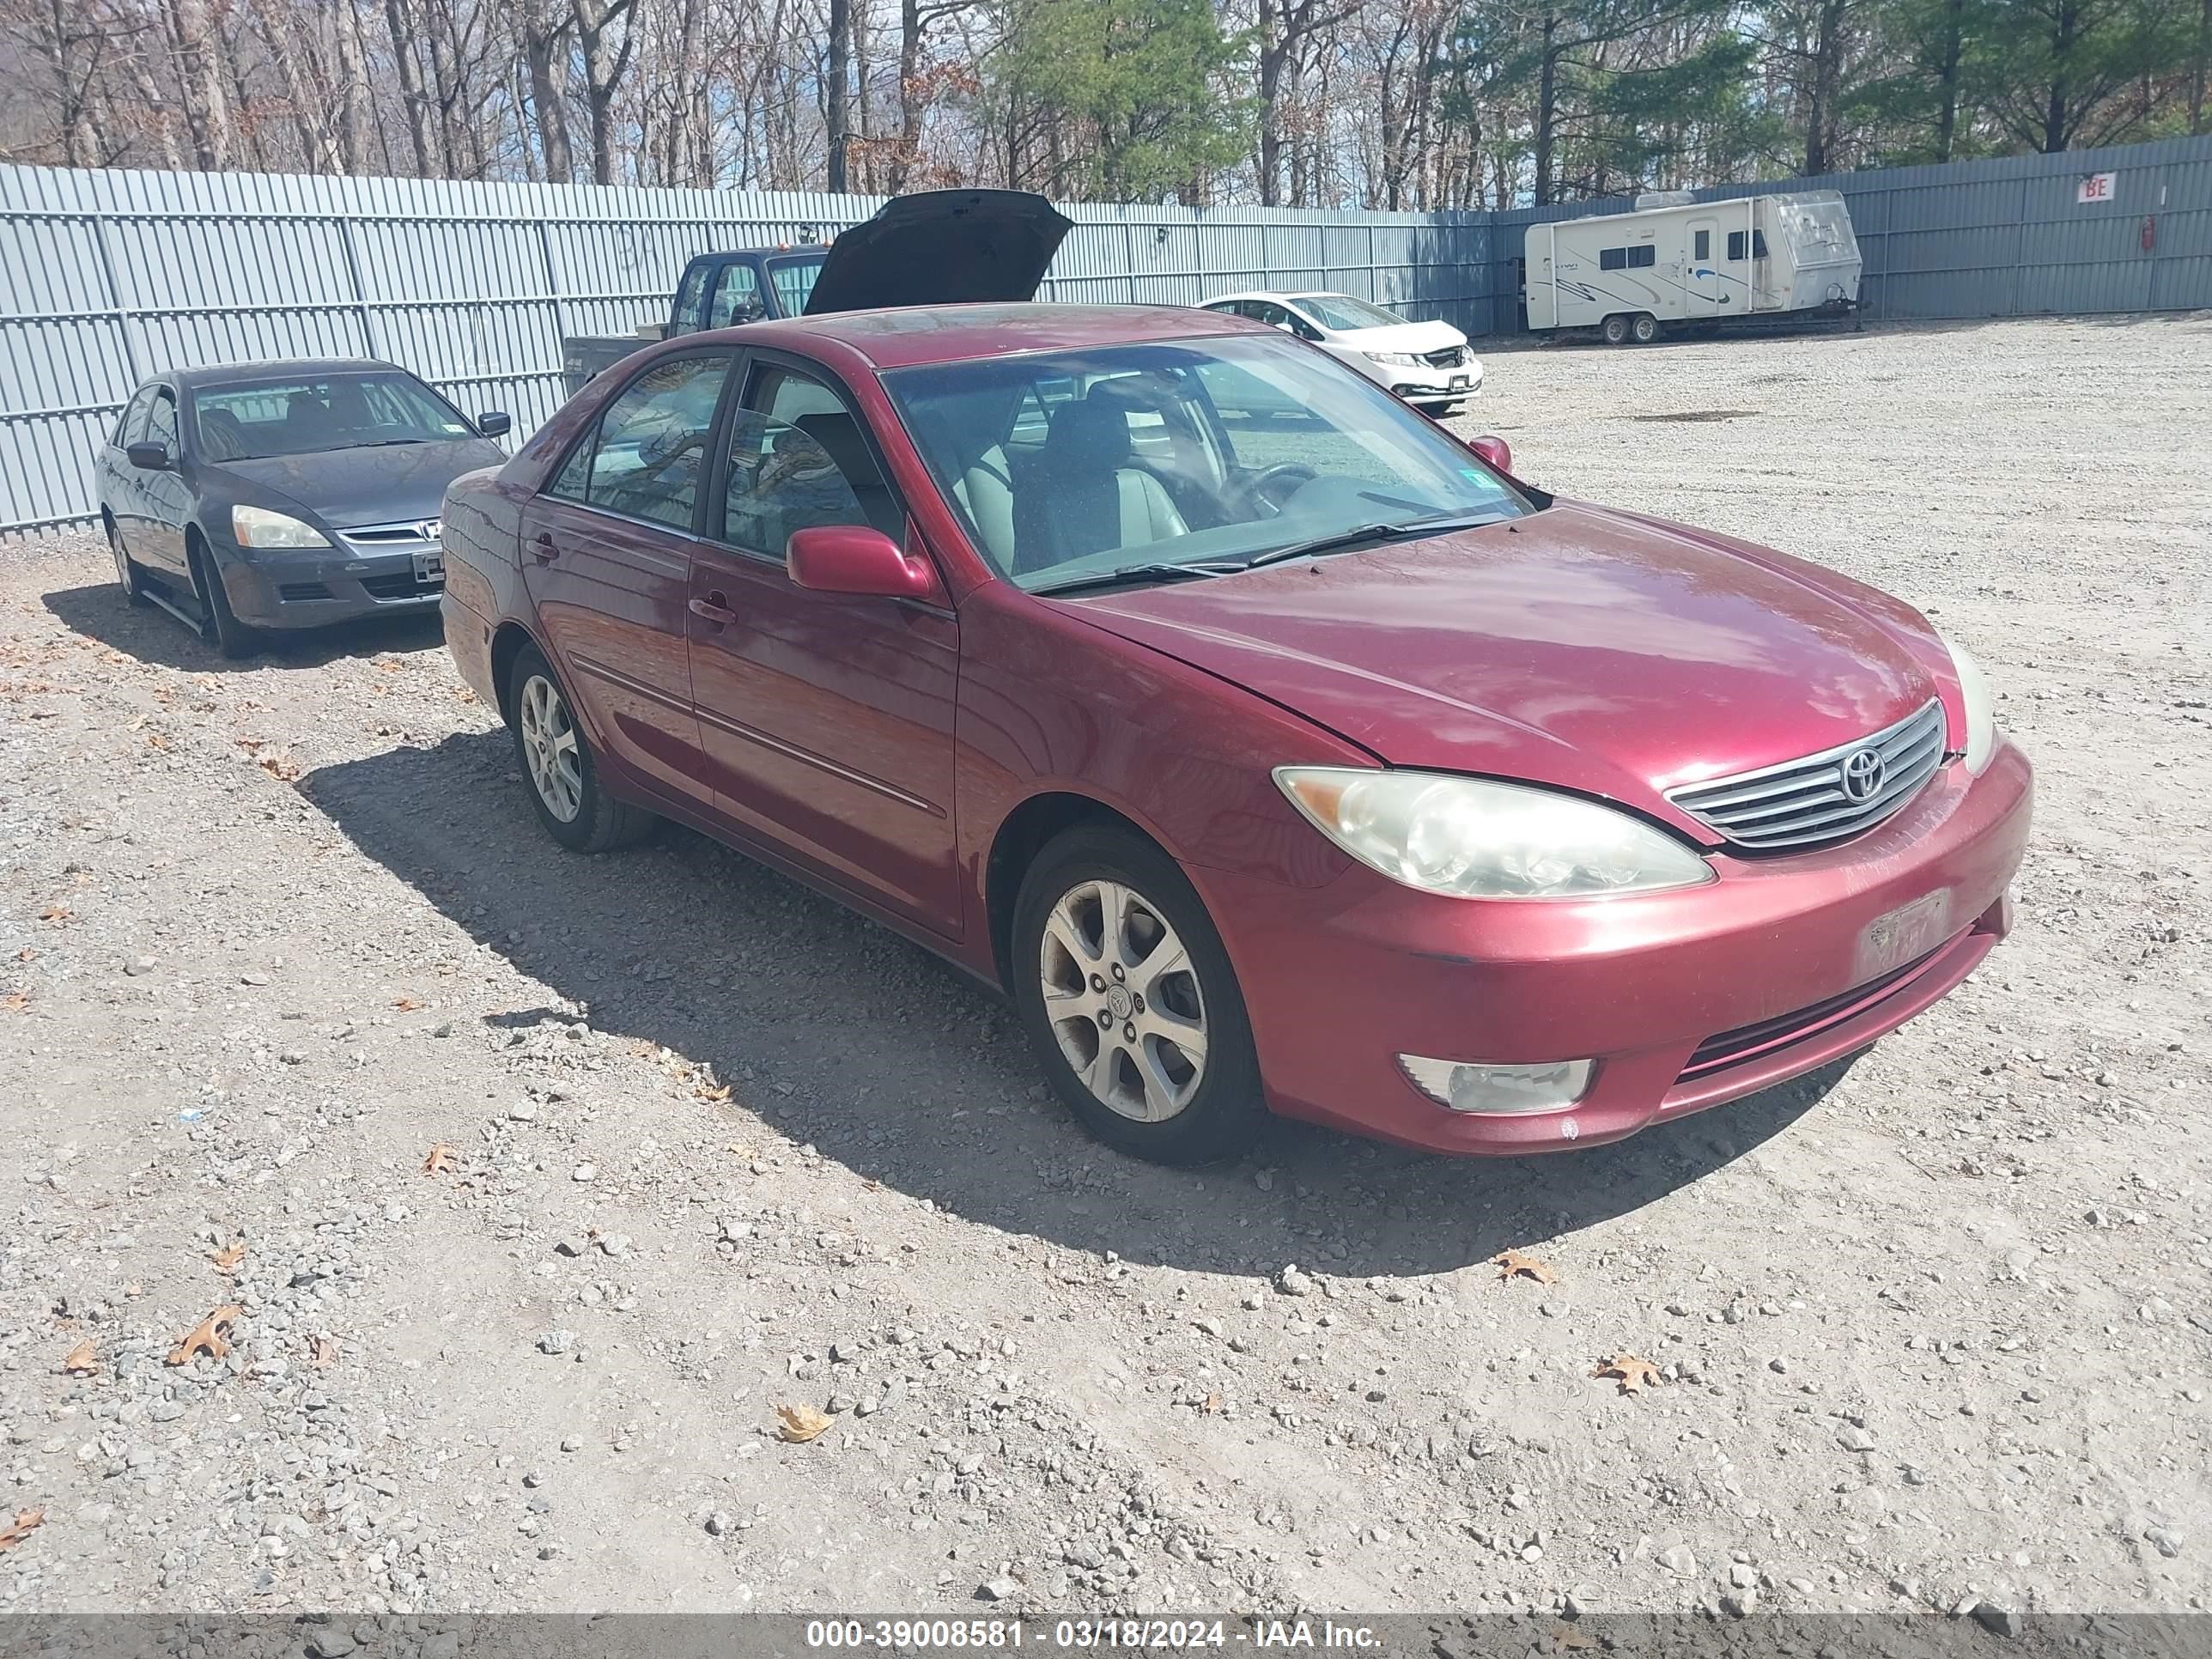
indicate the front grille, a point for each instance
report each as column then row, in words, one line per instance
column 1749, row 1041
column 293, row 591
column 393, row 537
column 1450, row 357
column 1823, row 797
column 401, row 585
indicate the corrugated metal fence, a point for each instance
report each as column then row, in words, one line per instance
column 106, row 276
column 2003, row 238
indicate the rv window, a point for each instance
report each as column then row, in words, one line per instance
column 1612, row 259
column 1758, row 245
column 1705, row 248
column 1639, row 256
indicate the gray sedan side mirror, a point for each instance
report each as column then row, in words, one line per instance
column 494, row 422
column 150, row 457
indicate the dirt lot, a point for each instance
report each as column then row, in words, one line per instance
column 1934, row 1332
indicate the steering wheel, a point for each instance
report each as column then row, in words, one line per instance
column 1260, row 492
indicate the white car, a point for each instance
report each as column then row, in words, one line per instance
column 1427, row 364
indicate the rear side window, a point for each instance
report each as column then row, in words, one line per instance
column 1758, row 245
column 1613, row 258
column 644, row 459
column 1638, row 258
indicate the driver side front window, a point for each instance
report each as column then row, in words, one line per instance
column 646, row 458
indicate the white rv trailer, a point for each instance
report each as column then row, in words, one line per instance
column 1675, row 261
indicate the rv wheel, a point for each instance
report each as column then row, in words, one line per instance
column 1615, row 330
column 1645, row 328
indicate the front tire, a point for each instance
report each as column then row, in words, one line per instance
column 557, row 763
column 128, row 576
column 1129, row 1000
column 219, row 625
column 1615, row 329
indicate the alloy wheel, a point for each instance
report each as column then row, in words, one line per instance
column 124, row 574
column 1122, row 998
column 548, row 745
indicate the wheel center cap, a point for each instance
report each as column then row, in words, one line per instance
column 1117, row 1002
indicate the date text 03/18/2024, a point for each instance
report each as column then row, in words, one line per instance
column 898, row 1635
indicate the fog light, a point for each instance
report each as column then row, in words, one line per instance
column 1464, row 1086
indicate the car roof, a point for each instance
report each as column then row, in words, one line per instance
column 208, row 374
column 906, row 337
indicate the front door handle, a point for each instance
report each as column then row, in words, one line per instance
column 713, row 610
column 544, row 547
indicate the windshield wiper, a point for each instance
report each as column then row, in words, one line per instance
column 1359, row 535
column 1157, row 570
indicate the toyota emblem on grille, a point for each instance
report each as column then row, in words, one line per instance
column 1863, row 773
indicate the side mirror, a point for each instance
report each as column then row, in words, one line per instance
column 1288, row 328
column 150, row 457
column 494, row 422
column 1495, row 451
column 851, row 558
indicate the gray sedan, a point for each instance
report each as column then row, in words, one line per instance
column 285, row 494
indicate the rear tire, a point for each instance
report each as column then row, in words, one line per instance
column 1105, row 920
column 219, row 625
column 1645, row 328
column 561, row 773
column 1614, row 329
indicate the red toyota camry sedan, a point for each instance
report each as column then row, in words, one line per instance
column 1268, row 747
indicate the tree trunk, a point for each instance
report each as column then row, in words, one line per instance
column 909, row 93
column 1951, row 55
column 2197, row 78
column 2055, row 125
column 1825, row 76
column 399, row 20
column 605, row 64
column 541, row 42
column 1548, row 108
column 838, row 73
column 355, row 116
column 1274, row 58
column 207, row 104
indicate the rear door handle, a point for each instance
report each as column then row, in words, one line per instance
column 713, row 610
column 544, row 547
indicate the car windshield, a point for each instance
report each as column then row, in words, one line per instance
column 1341, row 311
column 1150, row 462
column 794, row 281
column 304, row 414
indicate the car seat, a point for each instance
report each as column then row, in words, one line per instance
column 1086, row 495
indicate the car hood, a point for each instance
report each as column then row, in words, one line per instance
column 941, row 247
column 396, row 484
column 1406, row 336
column 1597, row 651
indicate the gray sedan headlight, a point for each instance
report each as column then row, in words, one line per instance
column 1981, row 708
column 256, row 527
column 1471, row 838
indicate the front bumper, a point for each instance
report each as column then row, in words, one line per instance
column 393, row 570
column 1685, row 999
column 1424, row 385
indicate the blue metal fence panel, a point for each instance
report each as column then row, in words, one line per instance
column 108, row 276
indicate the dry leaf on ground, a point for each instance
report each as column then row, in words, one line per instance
column 801, row 1423
column 55, row 913
column 282, row 767
column 1636, row 1375
column 211, row 1336
column 16, row 1001
column 1519, row 1264
column 405, row 1005
column 229, row 1255
column 1211, row 1408
column 323, row 1353
column 440, row 1159
column 26, row 1523
column 82, row 1360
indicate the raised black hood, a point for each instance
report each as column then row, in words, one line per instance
column 942, row 248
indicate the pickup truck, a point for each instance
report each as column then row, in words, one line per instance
column 719, row 290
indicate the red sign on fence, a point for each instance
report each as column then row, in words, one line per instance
column 2095, row 188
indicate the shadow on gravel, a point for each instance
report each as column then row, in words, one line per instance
column 152, row 635
column 899, row 1067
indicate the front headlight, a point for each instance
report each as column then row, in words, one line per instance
column 1470, row 838
column 256, row 527
column 1981, row 710
column 1403, row 359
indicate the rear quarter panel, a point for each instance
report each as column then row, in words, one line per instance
column 484, row 578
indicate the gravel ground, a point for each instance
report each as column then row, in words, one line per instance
column 1932, row 1332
